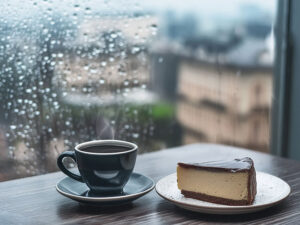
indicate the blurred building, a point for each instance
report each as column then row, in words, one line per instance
column 221, row 80
column 225, row 107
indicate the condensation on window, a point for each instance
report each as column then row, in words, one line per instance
column 155, row 73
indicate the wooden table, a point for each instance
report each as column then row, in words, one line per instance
column 34, row 200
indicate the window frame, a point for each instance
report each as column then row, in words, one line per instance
column 286, row 93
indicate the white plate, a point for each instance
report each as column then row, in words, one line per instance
column 270, row 191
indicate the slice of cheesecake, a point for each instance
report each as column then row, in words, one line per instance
column 223, row 182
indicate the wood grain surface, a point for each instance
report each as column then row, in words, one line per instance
column 34, row 200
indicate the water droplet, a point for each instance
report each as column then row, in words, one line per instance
column 88, row 10
column 86, row 67
column 135, row 50
column 153, row 28
column 45, row 31
column 94, row 71
column 101, row 81
column 135, row 135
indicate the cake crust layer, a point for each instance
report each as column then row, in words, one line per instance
column 213, row 199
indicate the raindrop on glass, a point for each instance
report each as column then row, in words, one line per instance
column 13, row 127
column 135, row 135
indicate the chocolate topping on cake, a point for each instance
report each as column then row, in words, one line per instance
column 235, row 165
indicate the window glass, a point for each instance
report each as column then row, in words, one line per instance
column 155, row 73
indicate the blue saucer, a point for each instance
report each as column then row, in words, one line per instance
column 137, row 186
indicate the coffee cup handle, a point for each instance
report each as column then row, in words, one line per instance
column 61, row 166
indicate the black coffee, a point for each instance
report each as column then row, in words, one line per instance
column 105, row 149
